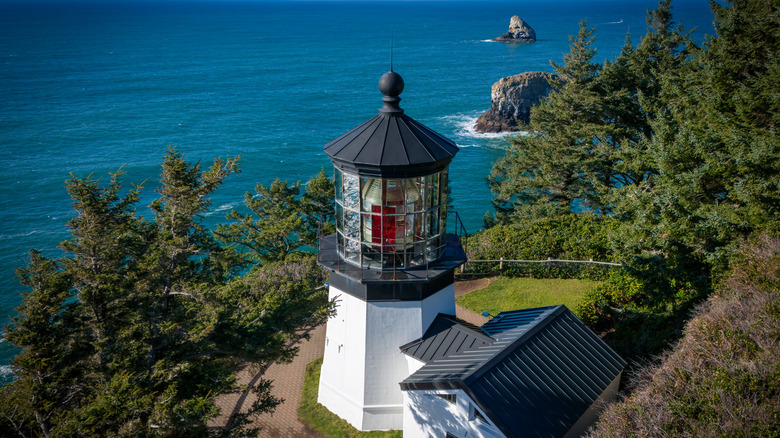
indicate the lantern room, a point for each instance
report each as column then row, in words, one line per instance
column 391, row 188
column 390, row 223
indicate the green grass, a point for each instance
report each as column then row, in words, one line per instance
column 321, row 419
column 506, row 293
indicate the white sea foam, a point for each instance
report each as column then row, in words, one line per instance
column 224, row 207
column 6, row 371
column 18, row 235
column 463, row 127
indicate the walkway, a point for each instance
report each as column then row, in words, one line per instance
column 288, row 379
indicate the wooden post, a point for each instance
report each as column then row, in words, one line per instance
column 501, row 265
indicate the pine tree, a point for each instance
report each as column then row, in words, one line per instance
column 272, row 230
column 318, row 205
column 145, row 321
column 560, row 162
column 715, row 144
column 281, row 221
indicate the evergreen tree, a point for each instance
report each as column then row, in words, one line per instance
column 318, row 205
column 272, row 230
column 281, row 221
column 48, row 332
column 561, row 161
column 715, row 145
column 145, row 321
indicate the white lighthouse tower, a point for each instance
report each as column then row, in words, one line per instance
column 391, row 260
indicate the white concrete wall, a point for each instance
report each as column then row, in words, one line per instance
column 342, row 374
column 441, row 302
column 413, row 364
column 363, row 365
column 428, row 415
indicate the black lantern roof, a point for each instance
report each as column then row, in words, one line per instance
column 391, row 144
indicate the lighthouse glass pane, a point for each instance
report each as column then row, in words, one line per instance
column 424, row 188
column 371, row 193
column 351, row 224
column 351, row 184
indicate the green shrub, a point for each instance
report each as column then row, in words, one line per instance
column 597, row 307
column 569, row 237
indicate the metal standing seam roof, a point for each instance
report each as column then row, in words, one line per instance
column 391, row 144
column 445, row 337
column 544, row 370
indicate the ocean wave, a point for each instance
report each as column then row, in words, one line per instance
column 17, row 235
column 224, row 207
column 6, row 371
column 463, row 126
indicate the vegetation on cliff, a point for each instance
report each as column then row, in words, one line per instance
column 723, row 377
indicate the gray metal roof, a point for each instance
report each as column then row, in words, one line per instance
column 543, row 371
column 445, row 337
column 391, row 144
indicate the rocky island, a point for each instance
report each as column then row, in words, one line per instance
column 519, row 32
column 511, row 100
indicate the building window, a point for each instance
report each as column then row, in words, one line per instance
column 479, row 416
column 451, row 398
column 474, row 414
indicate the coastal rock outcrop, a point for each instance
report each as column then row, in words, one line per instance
column 511, row 101
column 519, row 32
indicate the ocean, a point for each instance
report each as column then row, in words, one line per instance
column 87, row 87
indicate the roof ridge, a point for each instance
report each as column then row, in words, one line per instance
column 366, row 144
column 403, row 143
column 427, row 131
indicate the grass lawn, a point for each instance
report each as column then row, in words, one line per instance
column 506, row 293
column 321, row 419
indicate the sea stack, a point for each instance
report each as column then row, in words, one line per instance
column 511, row 101
column 519, row 32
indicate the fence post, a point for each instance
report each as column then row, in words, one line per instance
column 501, row 265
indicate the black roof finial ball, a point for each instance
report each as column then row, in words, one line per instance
column 391, row 84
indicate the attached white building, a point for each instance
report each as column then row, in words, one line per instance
column 533, row 372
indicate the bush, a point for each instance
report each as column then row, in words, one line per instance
column 597, row 307
column 568, row 236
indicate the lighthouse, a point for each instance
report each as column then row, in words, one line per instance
column 391, row 260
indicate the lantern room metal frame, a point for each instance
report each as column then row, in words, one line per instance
column 390, row 224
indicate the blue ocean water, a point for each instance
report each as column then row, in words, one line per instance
column 88, row 87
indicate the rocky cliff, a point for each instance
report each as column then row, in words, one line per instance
column 511, row 101
column 519, row 31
